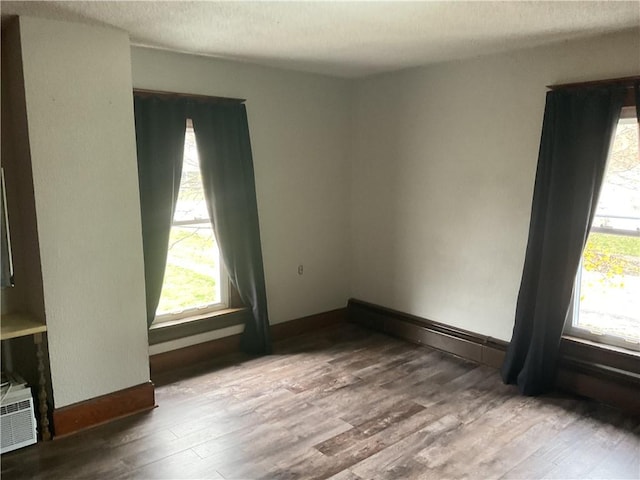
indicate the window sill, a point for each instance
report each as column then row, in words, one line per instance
column 599, row 354
column 196, row 324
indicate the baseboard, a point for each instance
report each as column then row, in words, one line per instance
column 96, row 411
column 601, row 374
column 165, row 362
column 162, row 363
column 299, row 326
column 614, row 387
column 456, row 341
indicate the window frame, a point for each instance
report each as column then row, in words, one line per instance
column 226, row 296
column 570, row 329
column 199, row 311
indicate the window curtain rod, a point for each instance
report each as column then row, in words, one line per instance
column 202, row 98
column 624, row 81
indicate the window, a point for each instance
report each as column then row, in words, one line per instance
column 194, row 281
column 606, row 304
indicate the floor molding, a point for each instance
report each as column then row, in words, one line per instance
column 299, row 326
column 202, row 352
column 617, row 384
column 613, row 387
column 96, row 411
column 161, row 363
column 463, row 343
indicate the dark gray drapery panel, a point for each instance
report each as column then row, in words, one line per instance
column 224, row 148
column 576, row 137
column 160, row 132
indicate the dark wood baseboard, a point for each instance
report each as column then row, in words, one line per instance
column 463, row 343
column 599, row 383
column 602, row 374
column 303, row 325
column 608, row 374
column 162, row 363
column 103, row 409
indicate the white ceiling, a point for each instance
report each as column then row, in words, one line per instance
column 346, row 39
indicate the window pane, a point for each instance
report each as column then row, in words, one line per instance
column 609, row 302
column 191, row 203
column 610, row 286
column 192, row 277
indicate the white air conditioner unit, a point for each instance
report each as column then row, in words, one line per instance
column 17, row 419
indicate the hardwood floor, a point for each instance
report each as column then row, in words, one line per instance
column 348, row 404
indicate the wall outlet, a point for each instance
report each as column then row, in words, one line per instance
column 300, row 269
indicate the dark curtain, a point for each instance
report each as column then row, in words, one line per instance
column 577, row 133
column 160, row 132
column 224, row 148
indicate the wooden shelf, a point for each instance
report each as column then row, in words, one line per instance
column 19, row 325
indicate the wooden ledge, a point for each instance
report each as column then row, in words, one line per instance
column 16, row 325
column 171, row 330
column 593, row 353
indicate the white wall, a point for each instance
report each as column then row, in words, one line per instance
column 410, row 190
column 444, row 161
column 299, row 127
column 80, row 119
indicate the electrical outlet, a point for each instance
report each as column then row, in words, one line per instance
column 300, row 269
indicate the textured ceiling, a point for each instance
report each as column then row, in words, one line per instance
column 347, row 39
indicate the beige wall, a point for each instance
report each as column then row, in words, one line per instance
column 444, row 161
column 299, row 127
column 411, row 190
column 80, row 120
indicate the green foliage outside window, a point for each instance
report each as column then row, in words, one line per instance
column 188, row 278
column 613, row 256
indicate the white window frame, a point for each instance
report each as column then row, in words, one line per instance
column 571, row 327
column 199, row 311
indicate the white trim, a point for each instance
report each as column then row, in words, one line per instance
column 603, row 338
column 190, row 312
column 221, row 278
column 627, row 116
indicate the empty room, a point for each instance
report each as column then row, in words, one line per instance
column 313, row 240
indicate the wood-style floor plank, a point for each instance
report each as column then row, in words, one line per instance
column 344, row 403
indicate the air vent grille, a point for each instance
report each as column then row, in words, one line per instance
column 17, row 425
